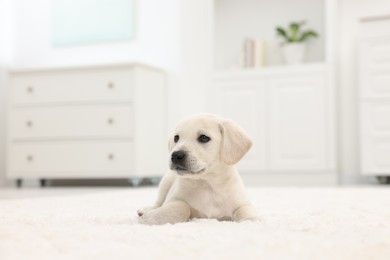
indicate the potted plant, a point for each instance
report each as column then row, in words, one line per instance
column 294, row 46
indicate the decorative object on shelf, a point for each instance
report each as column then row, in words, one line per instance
column 294, row 47
column 252, row 53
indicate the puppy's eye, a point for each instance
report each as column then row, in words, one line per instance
column 176, row 138
column 204, row 139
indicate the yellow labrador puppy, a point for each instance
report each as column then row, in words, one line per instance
column 203, row 182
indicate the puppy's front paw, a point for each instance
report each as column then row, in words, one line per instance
column 252, row 219
column 142, row 211
column 148, row 216
column 247, row 212
column 147, row 220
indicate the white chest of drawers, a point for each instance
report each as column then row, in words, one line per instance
column 374, row 98
column 86, row 122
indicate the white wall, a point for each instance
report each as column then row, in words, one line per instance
column 349, row 13
column 156, row 39
column 196, row 55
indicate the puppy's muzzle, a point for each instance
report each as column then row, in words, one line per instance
column 178, row 159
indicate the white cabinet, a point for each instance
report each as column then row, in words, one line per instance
column 244, row 102
column 374, row 100
column 288, row 112
column 87, row 122
column 297, row 122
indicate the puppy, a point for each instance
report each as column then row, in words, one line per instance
column 202, row 182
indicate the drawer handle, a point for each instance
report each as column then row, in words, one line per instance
column 30, row 158
column 30, row 89
column 110, row 121
column 29, row 123
column 110, row 156
column 110, row 85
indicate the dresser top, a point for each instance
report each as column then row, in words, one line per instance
column 82, row 67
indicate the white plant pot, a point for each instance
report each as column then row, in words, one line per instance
column 294, row 53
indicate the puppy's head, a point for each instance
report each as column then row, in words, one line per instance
column 201, row 143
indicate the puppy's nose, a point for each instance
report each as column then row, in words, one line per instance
column 178, row 157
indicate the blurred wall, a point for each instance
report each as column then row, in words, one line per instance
column 156, row 38
column 349, row 13
column 195, row 56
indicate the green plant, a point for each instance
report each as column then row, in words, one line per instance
column 294, row 33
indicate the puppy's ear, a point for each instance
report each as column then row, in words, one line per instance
column 235, row 142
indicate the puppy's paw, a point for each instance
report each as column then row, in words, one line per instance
column 147, row 220
column 148, row 216
column 143, row 211
column 251, row 219
column 246, row 213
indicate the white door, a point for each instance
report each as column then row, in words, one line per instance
column 244, row 102
column 298, row 123
column 374, row 68
column 374, row 72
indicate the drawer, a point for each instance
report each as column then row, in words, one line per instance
column 72, row 86
column 374, row 68
column 375, row 154
column 70, row 159
column 72, row 121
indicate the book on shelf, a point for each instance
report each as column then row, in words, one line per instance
column 252, row 53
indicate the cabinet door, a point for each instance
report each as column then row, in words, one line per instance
column 374, row 68
column 376, row 155
column 374, row 81
column 244, row 102
column 375, row 137
column 298, row 123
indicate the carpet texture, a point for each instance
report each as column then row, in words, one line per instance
column 305, row 223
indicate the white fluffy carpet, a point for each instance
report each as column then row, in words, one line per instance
column 305, row 223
